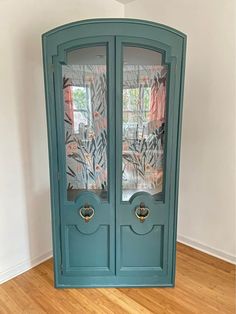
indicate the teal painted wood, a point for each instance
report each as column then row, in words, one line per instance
column 114, row 229
column 156, row 228
column 104, row 211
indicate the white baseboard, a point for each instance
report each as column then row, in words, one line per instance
column 23, row 267
column 207, row 249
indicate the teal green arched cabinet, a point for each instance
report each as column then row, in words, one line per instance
column 114, row 93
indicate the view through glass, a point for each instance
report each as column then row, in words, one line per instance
column 144, row 117
column 85, row 120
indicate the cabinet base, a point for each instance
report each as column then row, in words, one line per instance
column 112, row 282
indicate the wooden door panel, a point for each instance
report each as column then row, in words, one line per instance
column 143, row 160
column 86, row 155
column 88, row 245
column 87, row 254
column 142, row 243
column 142, row 251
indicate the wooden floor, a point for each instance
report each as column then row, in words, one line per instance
column 204, row 284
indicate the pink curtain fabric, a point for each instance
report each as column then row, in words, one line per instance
column 157, row 104
column 68, row 98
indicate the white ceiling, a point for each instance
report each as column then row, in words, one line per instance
column 124, row 1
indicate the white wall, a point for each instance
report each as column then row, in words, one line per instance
column 25, row 228
column 207, row 177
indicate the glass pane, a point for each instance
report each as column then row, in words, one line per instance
column 144, row 106
column 85, row 118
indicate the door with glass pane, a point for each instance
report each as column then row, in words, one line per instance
column 144, row 80
column 86, row 145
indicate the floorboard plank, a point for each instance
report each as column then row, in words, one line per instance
column 204, row 284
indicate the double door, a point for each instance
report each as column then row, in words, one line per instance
column 113, row 92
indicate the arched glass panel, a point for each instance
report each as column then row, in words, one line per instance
column 144, row 117
column 85, row 120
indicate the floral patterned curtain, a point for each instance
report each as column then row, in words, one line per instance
column 86, row 157
column 143, row 134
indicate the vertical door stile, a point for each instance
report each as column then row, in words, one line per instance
column 112, row 146
column 118, row 106
column 56, row 71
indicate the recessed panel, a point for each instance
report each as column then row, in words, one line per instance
column 88, row 250
column 142, row 250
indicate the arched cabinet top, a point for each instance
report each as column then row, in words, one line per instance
column 113, row 27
